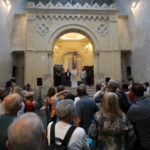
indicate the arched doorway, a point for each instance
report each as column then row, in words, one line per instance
column 74, row 48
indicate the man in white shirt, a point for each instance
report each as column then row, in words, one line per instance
column 83, row 76
column 65, row 112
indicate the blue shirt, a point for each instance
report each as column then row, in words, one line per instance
column 56, row 102
column 85, row 108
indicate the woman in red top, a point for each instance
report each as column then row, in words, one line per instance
column 30, row 104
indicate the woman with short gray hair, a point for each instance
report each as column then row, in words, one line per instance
column 65, row 112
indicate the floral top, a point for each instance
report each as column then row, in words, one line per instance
column 115, row 132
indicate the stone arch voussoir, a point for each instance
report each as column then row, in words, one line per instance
column 73, row 28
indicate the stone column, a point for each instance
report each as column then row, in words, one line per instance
column 96, row 66
column 28, row 68
column 110, row 64
column 51, row 74
column 116, row 55
column 39, row 64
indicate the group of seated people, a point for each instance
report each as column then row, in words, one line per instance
column 108, row 121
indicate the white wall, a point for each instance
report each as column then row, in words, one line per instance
column 6, row 22
column 5, row 57
column 139, row 24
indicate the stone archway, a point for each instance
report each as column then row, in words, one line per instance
column 74, row 28
column 71, row 42
column 82, row 30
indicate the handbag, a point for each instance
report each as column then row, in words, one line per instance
column 93, row 131
column 129, row 136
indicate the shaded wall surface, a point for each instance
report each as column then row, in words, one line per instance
column 139, row 26
column 6, row 24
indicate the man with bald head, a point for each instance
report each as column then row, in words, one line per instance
column 11, row 104
column 26, row 133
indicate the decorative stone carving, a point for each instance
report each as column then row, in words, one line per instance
column 31, row 16
column 113, row 18
column 57, row 49
column 47, row 16
column 69, row 5
column 85, row 48
column 43, row 28
column 102, row 29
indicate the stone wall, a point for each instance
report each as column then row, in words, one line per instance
column 5, row 51
column 139, row 25
column 6, row 23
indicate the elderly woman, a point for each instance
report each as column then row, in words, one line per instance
column 113, row 127
column 65, row 113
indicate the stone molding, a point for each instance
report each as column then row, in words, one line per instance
column 52, row 16
column 39, row 51
column 77, row 6
column 108, row 51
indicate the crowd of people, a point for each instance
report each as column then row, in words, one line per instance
column 117, row 117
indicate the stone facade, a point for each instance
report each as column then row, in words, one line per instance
column 109, row 29
column 43, row 24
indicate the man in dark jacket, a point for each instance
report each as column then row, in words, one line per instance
column 12, row 104
column 85, row 108
column 139, row 115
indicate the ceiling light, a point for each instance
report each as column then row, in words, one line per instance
column 7, row 2
column 134, row 4
column 72, row 36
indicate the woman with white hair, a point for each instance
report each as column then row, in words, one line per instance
column 65, row 113
column 113, row 124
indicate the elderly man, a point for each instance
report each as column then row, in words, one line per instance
column 65, row 112
column 3, row 94
column 139, row 115
column 26, row 133
column 11, row 104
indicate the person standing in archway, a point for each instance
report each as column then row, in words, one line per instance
column 83, row 76
column 68, row 76
column 63, row 77
column 74, row 77
column 58, row 76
